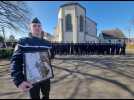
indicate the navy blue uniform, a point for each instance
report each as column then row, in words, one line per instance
column 17, row 63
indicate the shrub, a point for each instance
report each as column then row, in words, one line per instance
column 6, row 52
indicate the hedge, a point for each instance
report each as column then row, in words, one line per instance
column 6, row 52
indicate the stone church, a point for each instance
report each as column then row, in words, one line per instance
column 74, row 26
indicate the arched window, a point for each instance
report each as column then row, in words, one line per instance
column 81, row 23
column 68, row 20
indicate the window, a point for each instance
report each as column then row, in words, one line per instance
column 68, row 20
column 81, row 23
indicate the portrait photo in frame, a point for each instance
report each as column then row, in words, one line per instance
column 38, row 66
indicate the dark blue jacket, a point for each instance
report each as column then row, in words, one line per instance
column 17, row 63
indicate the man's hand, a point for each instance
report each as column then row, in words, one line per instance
column 25, row 86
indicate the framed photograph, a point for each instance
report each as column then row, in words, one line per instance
column 38, row 66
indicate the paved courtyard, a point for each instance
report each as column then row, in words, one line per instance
column 81, row 77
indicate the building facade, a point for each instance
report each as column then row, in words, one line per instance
column 74, row 26
column 112, row 36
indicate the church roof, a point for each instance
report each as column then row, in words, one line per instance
column 106, row 36
column 72, row 3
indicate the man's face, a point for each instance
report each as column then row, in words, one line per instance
column 36, row 29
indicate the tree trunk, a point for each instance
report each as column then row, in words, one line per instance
column 3, row 31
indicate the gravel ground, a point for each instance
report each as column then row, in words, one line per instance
column 81, row 77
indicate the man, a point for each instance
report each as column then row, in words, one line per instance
column 123, row 48
column 17, row 63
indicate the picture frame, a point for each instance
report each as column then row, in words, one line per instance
column 38, row 66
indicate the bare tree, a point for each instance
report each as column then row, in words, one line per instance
column 131, row 24
column 14, row 15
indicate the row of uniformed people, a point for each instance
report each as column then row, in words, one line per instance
column 88, row 48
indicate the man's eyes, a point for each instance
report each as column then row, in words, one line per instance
column 36, row 25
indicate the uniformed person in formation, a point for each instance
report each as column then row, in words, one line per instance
column 123, row 48
column 17, row 68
